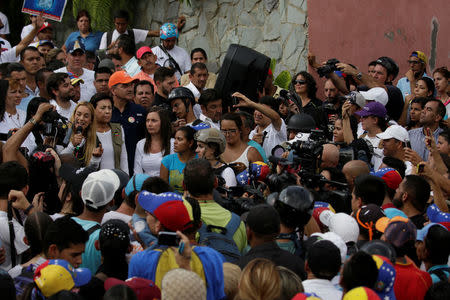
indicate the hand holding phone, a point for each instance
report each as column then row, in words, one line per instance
column 168, row 238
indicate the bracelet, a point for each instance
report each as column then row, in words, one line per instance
column 30, row 207
column 32, row 121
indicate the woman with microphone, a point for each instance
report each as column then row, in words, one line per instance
column 84, row 144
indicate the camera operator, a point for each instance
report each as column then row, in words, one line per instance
column 332, row 105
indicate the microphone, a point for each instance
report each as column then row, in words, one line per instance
column 79, row 129
column 286, row 95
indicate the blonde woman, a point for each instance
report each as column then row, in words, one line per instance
column 260, row 280
column 84, row 144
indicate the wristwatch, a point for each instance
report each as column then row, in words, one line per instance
column 359, row 76
column 32, row 121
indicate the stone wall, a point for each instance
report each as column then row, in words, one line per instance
column 277, row 28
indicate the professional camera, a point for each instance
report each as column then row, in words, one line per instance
column 55, row 126
column 307, row 153
column 329, row 67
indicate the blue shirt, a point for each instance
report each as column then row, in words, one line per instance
column 175, row 166
column 434, row 277
column 417, row 139
column 91, row 257
column 91, row 42
column 132, row 120
column 405, row 87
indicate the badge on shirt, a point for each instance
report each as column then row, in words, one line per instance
column 131, row 120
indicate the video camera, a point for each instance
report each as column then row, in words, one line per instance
column 55, row 126
column 330, row 66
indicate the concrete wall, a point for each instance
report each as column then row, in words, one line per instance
column 359, row 31
column 276, row 28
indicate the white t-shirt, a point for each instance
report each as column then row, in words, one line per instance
column 114, row 215
column 148, row 163
column 67, row 113
column 12, row 121
column 87, row 89
column 229, row 177
column 26, row 30
column 5, row 44
column 139, row 36
column 107, row 161
column 273, row 137
column 21, row 247
column 5, row 29
column 209, row 121
column 377, row 157
column 9, row 56
column 179, row 54
column 322, row 288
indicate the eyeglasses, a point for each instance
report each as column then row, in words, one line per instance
column 299, row 82
column 414, row 62
column 228, row 132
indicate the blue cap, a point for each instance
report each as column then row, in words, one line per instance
column 150, row 201
column 76, row 45
column 394, row 212
column 80, row 276
column 422, row 233
column 135, row 183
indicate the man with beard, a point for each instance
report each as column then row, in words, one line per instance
column 31, row 61
column 61, row 90
column 165, row 81
column 130, row 115
column 332, row 105
column 411, row 197
column 76, row 59
column 211, row 106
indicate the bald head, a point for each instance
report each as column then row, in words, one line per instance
column 330, row 156
column 353, row 169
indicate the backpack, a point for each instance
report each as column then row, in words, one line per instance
column 222, row 241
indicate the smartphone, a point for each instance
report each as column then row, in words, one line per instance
column 235, row 100
column 408, row 144
column 168, row 238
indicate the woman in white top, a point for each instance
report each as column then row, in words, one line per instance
column 110, row 135
column 156, row 144
column 211, row 144
column 236, row 150
column 11, row 94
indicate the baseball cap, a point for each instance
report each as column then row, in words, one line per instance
column 183, row 284
column 45, row 42
column 422, row 233
column 383, row 222
column 99, row 187
column 372, row 109
column 141, row 51
column 394, row 212
column 356, row 98
column 75, row 45
column 56, row 275
column 344, row 226
column 75, row 176
column 120, row 77
column 45, row 26
column 143, row 288
column 379, row 247
column 435, row 215
column 420, row 55
column 361, row 293
column 321, row 213
column 107, row 63
column 336, row 240
column 367, row 216
column 74, row 79
column 263, row 219
column 384, row 286
column 398, row 232
column 114, row 235
column 394, row 132
column 377, row 94
column 169, row 208
column 135, row 183
column 390, row 176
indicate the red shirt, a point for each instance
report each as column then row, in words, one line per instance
column 410, row 282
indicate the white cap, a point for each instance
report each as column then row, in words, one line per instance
column 377, row 94
column 336, row 240
column 394, row 132
column 99, row 188
column 345, row 226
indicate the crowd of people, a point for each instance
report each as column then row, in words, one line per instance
column 126, row 175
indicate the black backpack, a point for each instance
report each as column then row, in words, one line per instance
column 222, row 241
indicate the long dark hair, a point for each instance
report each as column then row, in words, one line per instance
column 310, row 83
column 189, row 133
column 165, row 131
column 236, row 118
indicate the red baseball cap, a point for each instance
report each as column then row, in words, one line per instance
column 142, row 51
column 45, row 26
column 143, row 288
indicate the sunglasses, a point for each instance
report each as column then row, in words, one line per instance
column 299, row 82
column 414, row 62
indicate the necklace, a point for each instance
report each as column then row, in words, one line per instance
column 15, row 119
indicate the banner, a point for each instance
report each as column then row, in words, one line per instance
column 53, row 9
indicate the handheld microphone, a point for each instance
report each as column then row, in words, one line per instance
column 79, row 129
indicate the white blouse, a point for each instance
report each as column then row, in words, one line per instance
column 148, row 163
